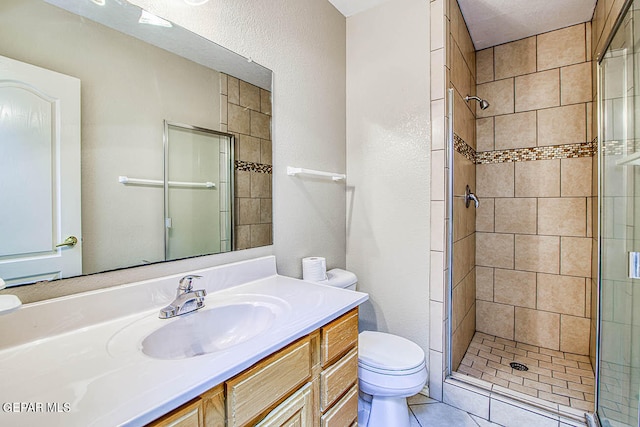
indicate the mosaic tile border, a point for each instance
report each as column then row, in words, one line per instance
column 565, row 151
column 550, row 152
column 463, row 148
column 241, row 165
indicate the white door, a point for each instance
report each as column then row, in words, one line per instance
column 39, row 173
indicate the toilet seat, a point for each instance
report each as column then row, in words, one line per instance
column 391, row 372
column 389, row 354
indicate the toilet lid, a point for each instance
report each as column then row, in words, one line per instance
column 380, row 350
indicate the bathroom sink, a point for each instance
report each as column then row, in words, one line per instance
column 208, row 331
column 212, row 329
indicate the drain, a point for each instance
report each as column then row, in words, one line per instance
column 518, row 366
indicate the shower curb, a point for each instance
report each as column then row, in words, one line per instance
column 535, row 406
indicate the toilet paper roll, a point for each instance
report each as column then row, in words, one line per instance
column 314, row 269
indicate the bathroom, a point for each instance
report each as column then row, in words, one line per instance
column 349, row 96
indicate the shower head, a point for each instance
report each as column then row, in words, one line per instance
column 483, row 104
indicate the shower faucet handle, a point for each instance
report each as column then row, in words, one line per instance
column 469, row 196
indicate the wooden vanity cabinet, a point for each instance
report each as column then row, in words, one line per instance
column 311, row 382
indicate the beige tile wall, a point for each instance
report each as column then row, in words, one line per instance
column 534, row 240
column 461, row 68
column 246, row 113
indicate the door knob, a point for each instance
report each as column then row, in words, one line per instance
column 69, row 241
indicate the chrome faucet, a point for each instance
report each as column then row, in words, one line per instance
column 187, row 300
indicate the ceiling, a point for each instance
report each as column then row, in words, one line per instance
column 493, row 22
column 352, row 7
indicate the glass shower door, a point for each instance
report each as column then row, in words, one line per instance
column 198, row 191
column 619, row 151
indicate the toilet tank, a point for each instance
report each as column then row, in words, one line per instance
column 341, row 279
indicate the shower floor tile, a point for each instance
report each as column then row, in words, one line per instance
column 558, row 377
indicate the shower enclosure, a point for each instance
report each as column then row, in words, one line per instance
column 542, row 291
column 619, row 155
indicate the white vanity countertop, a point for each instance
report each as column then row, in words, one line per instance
column 94, row 375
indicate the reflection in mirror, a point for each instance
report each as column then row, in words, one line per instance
column 198, row 191
column 131, row 77
column 39, row 140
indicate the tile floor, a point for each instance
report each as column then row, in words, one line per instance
column 563, row 378
column 427, row 412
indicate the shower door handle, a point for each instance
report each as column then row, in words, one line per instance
column 634, row 265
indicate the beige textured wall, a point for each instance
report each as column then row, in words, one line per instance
column 388, row 165
column 462, row 72
column 534, row 231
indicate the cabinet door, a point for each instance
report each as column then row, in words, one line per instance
column 296, row 411
column 188, row 415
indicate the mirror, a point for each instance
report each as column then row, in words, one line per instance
column 134, row 72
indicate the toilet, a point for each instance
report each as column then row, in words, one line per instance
column 390, row 369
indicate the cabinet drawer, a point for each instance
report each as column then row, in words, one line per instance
column 268, row 382
column 297, row 410
column 338, row 378
column 344, row 413
column 188, row 415
column 339, row 336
